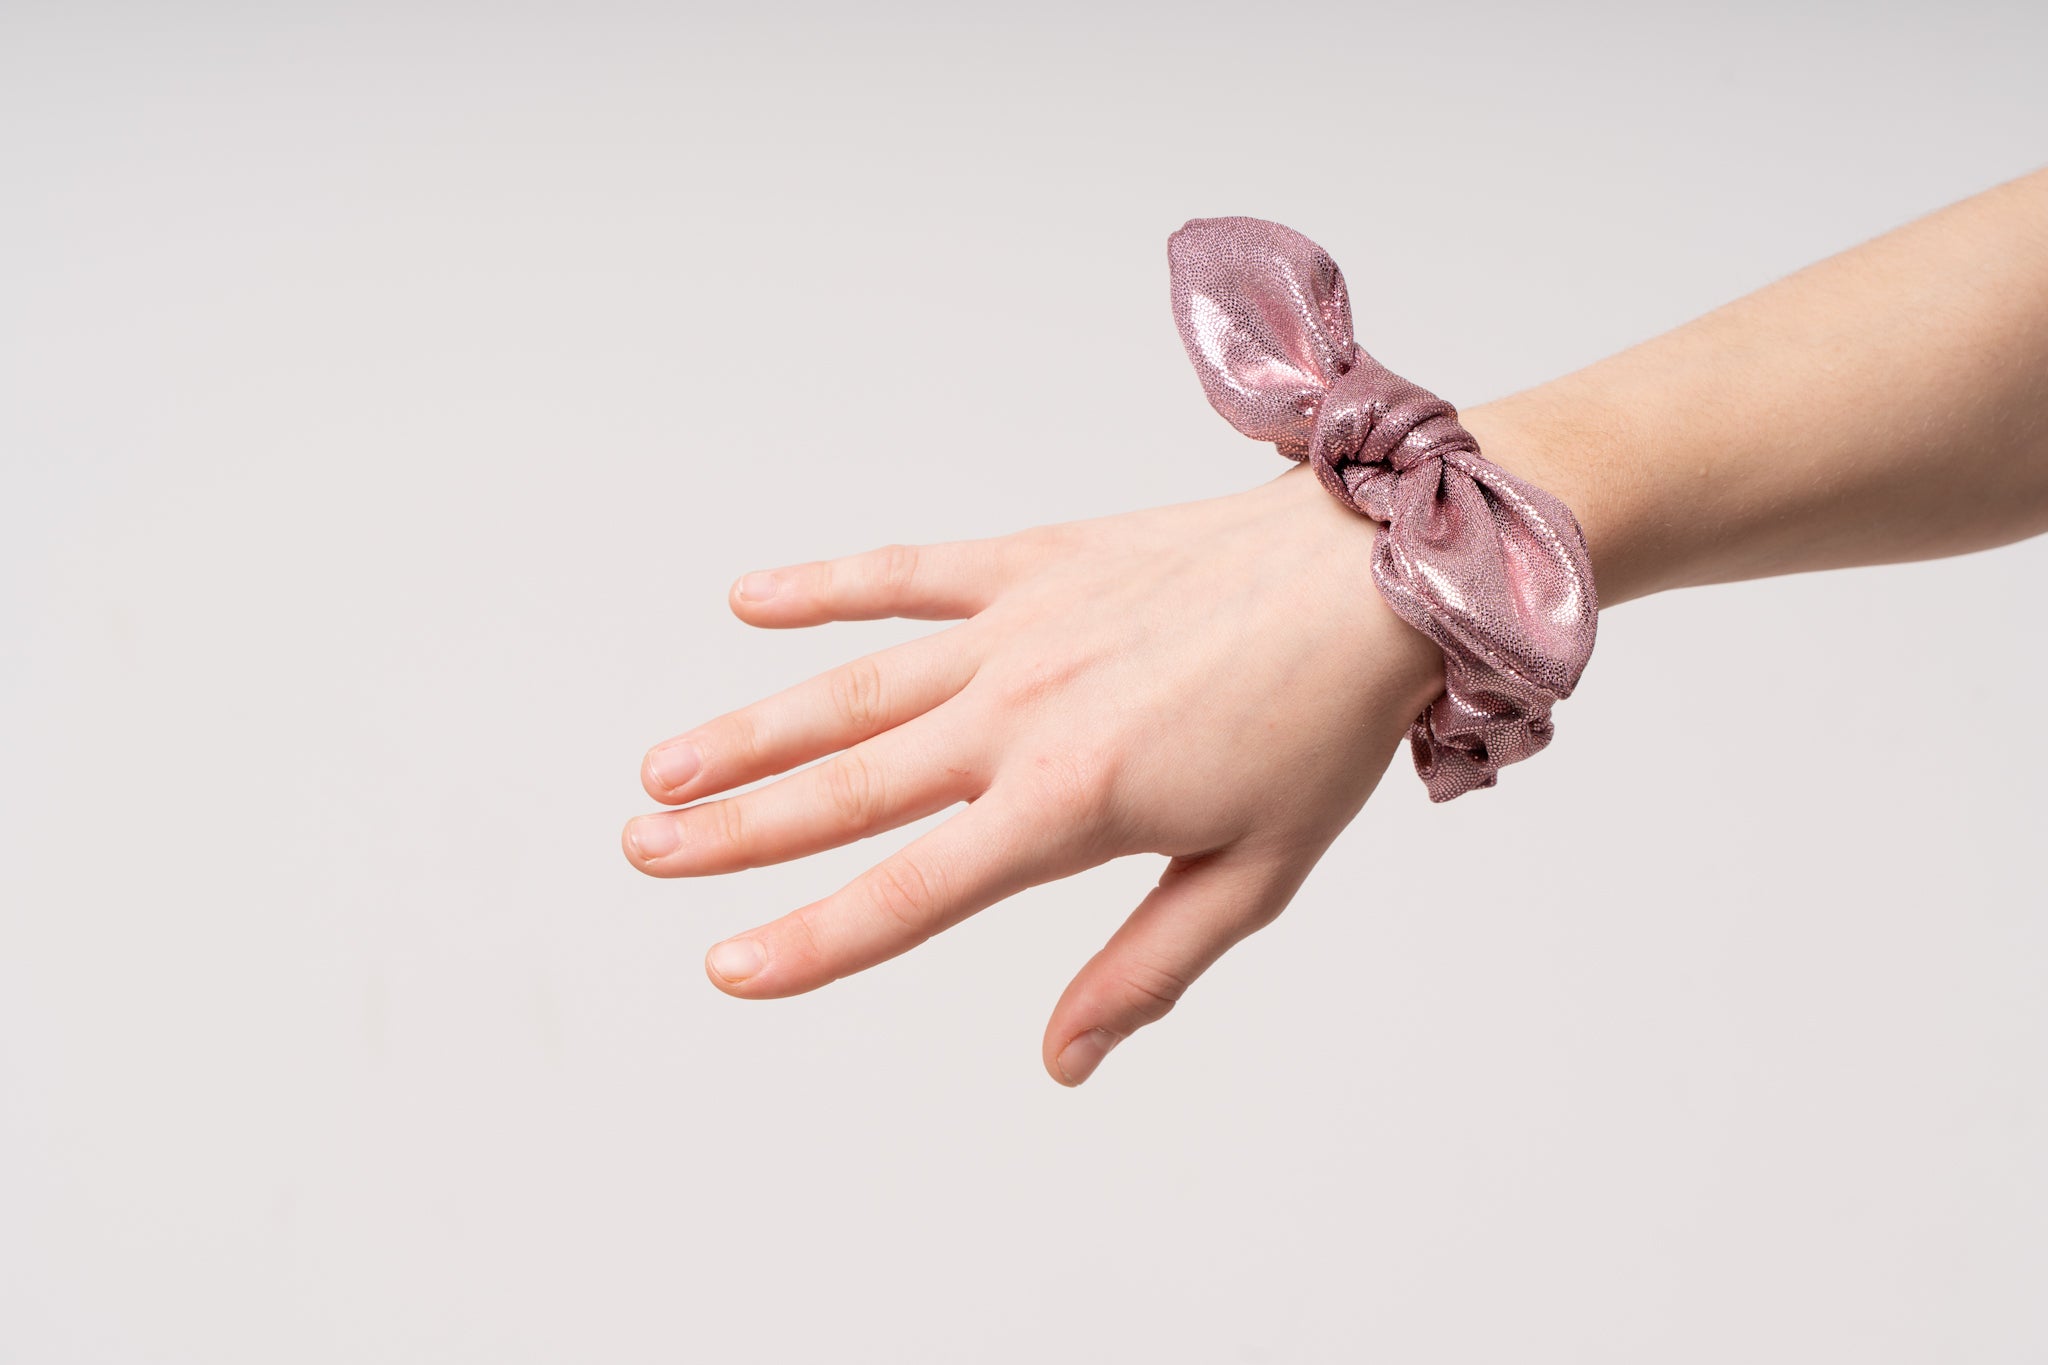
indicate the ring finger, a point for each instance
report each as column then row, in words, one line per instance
column 889, row 780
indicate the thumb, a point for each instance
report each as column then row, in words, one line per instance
column 1202, row 906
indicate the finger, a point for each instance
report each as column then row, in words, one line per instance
column 896, row 777
column 945, row 581
column 987, row 852
column 838, row 708
column 1199, row 909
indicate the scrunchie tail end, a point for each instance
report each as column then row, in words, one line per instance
column 1454, row 755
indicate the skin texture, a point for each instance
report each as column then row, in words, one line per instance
column 1887, row 404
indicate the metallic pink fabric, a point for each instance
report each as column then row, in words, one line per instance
column 1491, row 568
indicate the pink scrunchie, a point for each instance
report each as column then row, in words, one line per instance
column 1491, row 568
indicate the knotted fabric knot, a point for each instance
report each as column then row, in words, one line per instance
column 1490, row 567
column 1370, row 416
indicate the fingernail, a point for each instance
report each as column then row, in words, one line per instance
column 759, row 587
column 654, row 836
column 736, row 959
column 673, row 765
column 1080, row 1057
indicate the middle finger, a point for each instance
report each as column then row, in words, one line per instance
column 830, row 711
column 998, row 846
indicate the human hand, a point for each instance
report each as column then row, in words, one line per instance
column 1218, row 681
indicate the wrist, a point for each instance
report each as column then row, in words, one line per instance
column 1581, row 450
column 1412, row 661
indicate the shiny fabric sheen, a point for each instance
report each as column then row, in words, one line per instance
column 1492, row 568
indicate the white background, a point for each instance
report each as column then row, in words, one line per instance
column 388, row 395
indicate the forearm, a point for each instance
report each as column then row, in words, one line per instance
column 1888, row 403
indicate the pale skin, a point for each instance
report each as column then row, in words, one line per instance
column 1887, row 404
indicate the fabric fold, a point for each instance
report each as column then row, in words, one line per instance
column 1490, row 567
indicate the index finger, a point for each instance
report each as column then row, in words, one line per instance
column 992, row 850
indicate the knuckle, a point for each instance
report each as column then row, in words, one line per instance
column 1261, row 913
column 1147, row 991
column 1074, row 804
column 737, row 740
column 804, row 921
column 1050, row 540
column 896, row 568
column 728, row 825
column 1076, row 784
column 853, row 790
column 907, row 892
column 857, row 695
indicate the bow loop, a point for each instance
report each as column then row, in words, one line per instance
column 1266, row 320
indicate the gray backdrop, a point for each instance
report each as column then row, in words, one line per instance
column 388, row 395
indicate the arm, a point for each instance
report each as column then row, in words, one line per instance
column 1889, row 403
column 1109, row 686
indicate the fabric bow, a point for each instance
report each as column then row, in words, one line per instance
column 1492, row 568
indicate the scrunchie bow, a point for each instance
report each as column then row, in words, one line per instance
column 1491, row 568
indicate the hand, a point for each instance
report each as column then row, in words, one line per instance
column 1218, row 681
